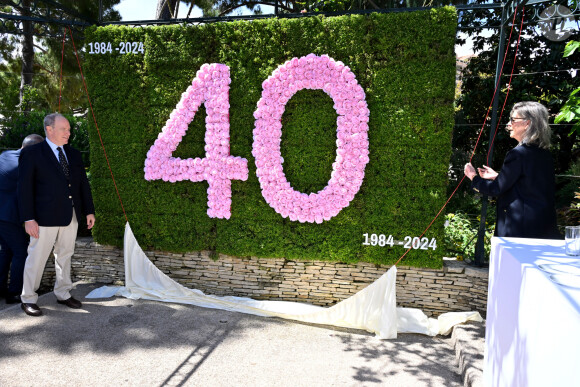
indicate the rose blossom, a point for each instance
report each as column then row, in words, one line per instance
column 338, row 81
column 218, row 167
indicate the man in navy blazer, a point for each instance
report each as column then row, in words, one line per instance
column 53, row 194
column 13, row 238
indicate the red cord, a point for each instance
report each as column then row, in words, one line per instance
column 442, row 208
column 95, row 120
column 508, row 91
column 496, row 85
column 433, row 221
column 483, row 126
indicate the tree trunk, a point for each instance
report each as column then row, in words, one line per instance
column 27, row 56
column 166, row 9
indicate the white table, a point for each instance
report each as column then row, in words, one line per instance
column 532, row 335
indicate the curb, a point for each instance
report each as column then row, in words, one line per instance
column 468, row 340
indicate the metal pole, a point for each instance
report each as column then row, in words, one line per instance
column 100, row 11
column 480, row 245
column 276, row 8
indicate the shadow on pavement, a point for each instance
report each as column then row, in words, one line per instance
column 125, row 342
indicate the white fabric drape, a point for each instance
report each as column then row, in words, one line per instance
column 372, row 309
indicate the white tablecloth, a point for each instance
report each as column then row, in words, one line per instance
column 533, row 324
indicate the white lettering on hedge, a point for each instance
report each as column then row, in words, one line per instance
column 409, row 242
column 122, row 48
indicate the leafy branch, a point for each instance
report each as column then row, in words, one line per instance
column 570, row 111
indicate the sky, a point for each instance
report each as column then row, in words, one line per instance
column 145, row 10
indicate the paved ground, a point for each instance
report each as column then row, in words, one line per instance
column 122, row 342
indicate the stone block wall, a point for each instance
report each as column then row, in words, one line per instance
column 455, row 287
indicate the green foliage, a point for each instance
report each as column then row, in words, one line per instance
column 567, row 197
column 30, row 97
column 570, row 111
column 571, row 46
column 544, row 77
column 43, row 94
column 405, row 62
column 570, row 216
column 568, row 208
column 461, row 234
column 568, row 184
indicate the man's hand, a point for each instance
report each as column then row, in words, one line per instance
column 90, row 221
column 31, row 228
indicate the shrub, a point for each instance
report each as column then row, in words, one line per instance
column 461, row 234
column 406, row 66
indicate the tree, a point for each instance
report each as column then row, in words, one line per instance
column 33, row 61
column 167, row 9
column 27, row 55
column 570, row 111
column 541, row 73
column 10, row 68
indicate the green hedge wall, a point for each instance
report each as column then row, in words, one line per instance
column 405, row 62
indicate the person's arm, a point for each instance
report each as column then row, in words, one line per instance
column 469, row 171
column 31, row 227
column 510, row 172
column 26, row 193
column 487, row 173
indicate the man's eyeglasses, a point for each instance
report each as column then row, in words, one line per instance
column 515, row 119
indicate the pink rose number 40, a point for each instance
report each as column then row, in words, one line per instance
column 211, row 87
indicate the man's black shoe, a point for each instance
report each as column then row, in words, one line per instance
column 31, row 309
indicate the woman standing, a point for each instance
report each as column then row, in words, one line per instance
column 526, row 183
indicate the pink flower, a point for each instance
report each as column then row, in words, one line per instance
column 211, row 88
column 337, row 81
column 211, row 82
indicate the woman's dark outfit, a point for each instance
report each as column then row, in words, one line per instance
column 525, row 190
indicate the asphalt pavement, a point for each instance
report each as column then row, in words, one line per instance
column 123, row 342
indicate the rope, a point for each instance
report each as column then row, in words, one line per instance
column 442, row 208
column 507, row 94
column 495, row 92
column 480, row 132
column 523, row 73
column 97, row 126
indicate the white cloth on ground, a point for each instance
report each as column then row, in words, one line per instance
column 372, row 309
